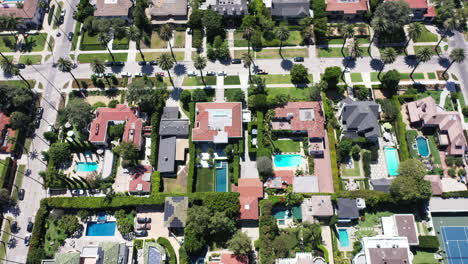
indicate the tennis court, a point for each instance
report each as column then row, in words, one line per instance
column 456, row 243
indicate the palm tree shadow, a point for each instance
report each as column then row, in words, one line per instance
column 349, row 62
column 444, row 62
column 8, row 75
column 411, row 60
column 376, row 64
column 116, row 69
column 147, row 69
column 287, row 64
column 225, row 62
column 180, row 69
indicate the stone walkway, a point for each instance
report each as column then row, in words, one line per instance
column 379, row 169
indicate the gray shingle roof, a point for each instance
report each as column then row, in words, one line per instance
column 347, row 208
column 170, row 112
column 360, row 118
column 381, row 185
column 167, row 151
column 290, row 8
column 174, row 127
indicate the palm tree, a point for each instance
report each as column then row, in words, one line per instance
column 247, row 35
column 9, row 68
column 346, row 32
column 387, row 56
column 379, row 24
column 282, row 34
column 414, row 32
column 98, row 67
column 166, row 62
column 104, row 39
column 135, row 34
column 457, row 55
column 449, row 25
column 423, row 55
column 165, row 33
column 66, row 65
column 355, row 51
column 248, row 61
column 200, row 64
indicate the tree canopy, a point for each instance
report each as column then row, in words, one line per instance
column 410, row 185
column 396, row 12
column 78, row 112
column 299, row 74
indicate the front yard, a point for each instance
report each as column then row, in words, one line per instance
column 197, row 81
column 88, row 58
column 295, row 94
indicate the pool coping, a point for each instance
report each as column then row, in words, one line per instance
column 386, row 161
column 227, row 174
column 427, row 144
column 301, row 167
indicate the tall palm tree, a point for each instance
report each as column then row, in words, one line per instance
column 166, row 62
column 423, row 55
column 457, row 55
column 347, row 32
column 165, row 33
column 200, row 64
column 387, row 56
column 355, row 51
column 247, row 35
column 98, row 67
column 248, row 61
column 379, row 24
column 415, row 30
column 282, row 33
column 135, row 34
column 104, row 39
column 449, row 25
column 66, row 65
column 9, row 68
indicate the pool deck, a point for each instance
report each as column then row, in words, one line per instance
column 81, row 157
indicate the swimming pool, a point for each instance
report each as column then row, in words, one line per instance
column 86, row 166
column 102, row 217
column 343, row 237
column 100, row 229
column 391, row 157
column 221, row 176
column 423, row 147
column 288, row 160
column 287, row 213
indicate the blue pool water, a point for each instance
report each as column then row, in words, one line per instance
column 423, row 147
column 102, row 217
column 86, row 166
column 343, row 237
column 104, row 229
column 288, row 160
column 391, row 157
column 221, row 176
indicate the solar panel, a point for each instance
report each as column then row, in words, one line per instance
column 154, row 256
column 176, row 223
column 168, row 211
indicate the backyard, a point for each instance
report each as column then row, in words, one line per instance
column 349, row 172
column 205, row 180
column 287, row 145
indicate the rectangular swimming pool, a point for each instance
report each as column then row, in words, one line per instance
column 101, row 229
column 221, row 176
column 86, row 166
column 391, row 157
column 343, row 237
column 288, row 160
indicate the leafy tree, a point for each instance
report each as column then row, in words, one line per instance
column 69, row 224
column 299, row 74
column 113, row 103
column 410, row 184
column 236, row 95
column 195, row 21
column 284, row 243
column 389, row 109
column 165, row 33
column 456, row 55
column 139, row 91
column 223, row 52
column 66, row 65
column 5, row 198
column 361, row 92
column 84, row 9
column 344, row 148
column 422, row 55
column 315, row 91
column 355, row 152
column 332, row 76
column 103, row 39
column 199, row 95
column 78, row 112
column 258, row 102
column 448, row 26
column 258, row 85
column 346, row 31
column 240, row 243
column 50, row 136
column 265, row 167
column 116, row 131
column 128, row 152
column 390, row 81
column 185, row 97
column 397, row 13
column 19, row 120
column 213, row 24
column 415, row 30
column 98, row 67
column 221, row 225
column 59, row 153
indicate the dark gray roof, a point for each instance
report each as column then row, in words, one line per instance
column 154, row 256
column 170, row 112
column 381, row 185
column 290, row 8
column 166, row 157
column 360, row 118
column 175, row 211
column 226, row 9
column 174, row 127
column 388, row 255
column 347, row 208
column 123, row 254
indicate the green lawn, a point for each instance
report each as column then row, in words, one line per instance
column 90, row 42
column 296, row 94
column 351, row 172
column 433, row 94
column 229, row 94
column 431, row 75
column 411, row 138
column 423, row 257
column 180, row 55
column 18, row 181
column 87, row 58
column 197, row 81
column 179, row 41
column 30, row 59
column 6, row 237
column 120, row 44
column 362, row 40
column 205, row 180
column 18, row 83
column 287, row 145
column 7, row 43
column 2, row 172
column 58, row 10
column 336, row 52
column 35, row 42
column 156, row 42
column 356, row 77
column 231, row 80
column 399, row 49
column 431, row 47
column 274, row 53
column 54, row 237
column 434, row 151
column 427, row 36
column 404, row 76
column 294, row 39
column 76, row 34
column 174, row 185
column 448, row 105
column 373, row 219
column 281, row 78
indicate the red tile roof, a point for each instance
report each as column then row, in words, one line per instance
column 286, row 177
column 5, row 133
column 27, row 12
column 232, row 259
column 430, row 12
column 137, row 178
column 203, row 132
column 347, row 7
column 250, row 191
column 104, row 115
column 292, row 111
column 414, row 3
column 436, row 184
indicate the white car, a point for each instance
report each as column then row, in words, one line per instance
column 63, row 12
column 99, row 75
column 210, row 73
column 221, row 73
column 126, row 74
column 192, row 73
column 138, row 74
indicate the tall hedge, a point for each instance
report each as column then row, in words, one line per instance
column 191, row 179
column 429, row 243
column 400, row 130
column 169, row 249
column 156, row 182
column 155, row 120
column 333, row 159
column 36, row 250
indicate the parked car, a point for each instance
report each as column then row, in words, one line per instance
column 192, row 73
column 37, row 123
column 160, row 74
column 262, row 72
column 27, row 238
column 21, row 194
column 39, row 112
column 210, row 73
column 126, row 74
column 119, row 63
column 70, row 36
column 143, row 220
column 99, row 75
column 60, row 21
column 236, row 61
column 221, row 73
column 64, row 11
column 138, row 74
column 141, row 233
column 153, row 62
column 20, row 66
column 108, row 74
column 109, row 63
column 94, row 191
column 50, row 128
column 77, row 192
column 30, row 226
column 143, row 226
column 299, row 59
column 142, row 63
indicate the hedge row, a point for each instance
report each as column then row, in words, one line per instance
column 457, row 194
column 252, row 149
column 155, row 120
column 169, row 249
column 156, row 182
column 36, row 250
column 50, row 15
column 333, row 159
column 191, row 180
column 262, row 150
column 400, row 130
column 236, row 165
column 429, row 243
column 6, row 170
column 325, row 252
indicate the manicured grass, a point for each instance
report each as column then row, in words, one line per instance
column 296, row 94
column 231, row 80
column 18, row 181
column 431, row 75
column 433, row 94
column 3, row 167
column 277, row 78
column 156, row 42
column 58, row 10
column 53, row 238
column 173, row 185
column 373, row 219
column 6, row 237
column 120, row 44
column 431, row 47
column 7, row 43
column 197, row 81
column 90, row 42
column 155, row 55
column 287, row 145
column 423, row 257
column 294, row 39
column 404, row 76
column 205, row 180
column 335, row 41
column 76, row 34
column 351, row 172
column 87, row 58
column 411, row 138
column 356, row 77
column 427, row 36
column 179, row 41
column 30, row 59
column 448, row 105
column 336, row 52
column 229, row 93
column 399, row 49
column 434, row 151
column 35, row 42
column 18, row 83
column 287, row 53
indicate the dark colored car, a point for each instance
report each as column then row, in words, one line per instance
column 14, row 227
column 26, row 240
column 299, row 59
column 61, row 19
column 141, row 233
column 119, row 63
column 39, row 112
column 21, row 194
column 109, row 63
column 20, row 65
column 142, row 63
column 30, row 226
column 70, row 36
column 37, row 123
column 143, row 220
column 236, row 61
column 154, row 62
column 262, row 72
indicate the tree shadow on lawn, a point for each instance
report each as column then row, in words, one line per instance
column 180, row 69
column 287, row 64
column 28, row 45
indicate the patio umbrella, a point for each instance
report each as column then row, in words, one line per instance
column 387, row 126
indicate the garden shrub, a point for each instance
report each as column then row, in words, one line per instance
column 169, row 249
column 456, row 194
column 366, row 161
column 236, row 165
column 98, row 104
column 183, row 257
column 36, row 250
column 400, row 130
column 191, row 179
column 156, row 182
column 428, row 243
column 113, row 103
column 324, row 251
column 155, row 119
